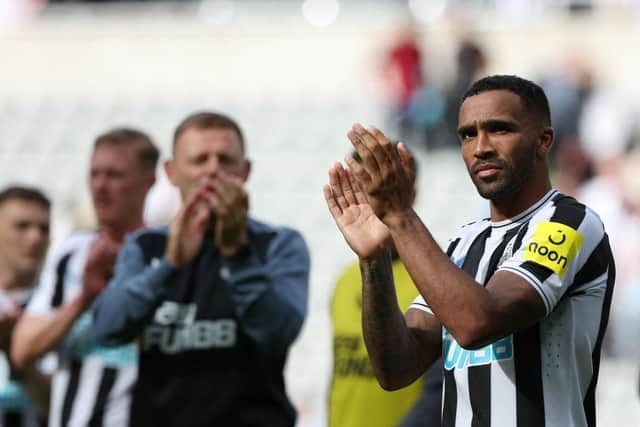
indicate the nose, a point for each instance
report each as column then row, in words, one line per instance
column 98, row 182
column 483, row 148
column 37, row 235
column 213, row 164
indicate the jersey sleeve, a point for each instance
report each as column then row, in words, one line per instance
column 420, row 304
column 556, row 249
column 124, row 307
column 270, row 291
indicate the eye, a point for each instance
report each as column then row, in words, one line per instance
column 226, row 160
column 466, row 134
column 498, row 127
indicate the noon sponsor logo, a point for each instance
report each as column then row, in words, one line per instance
column 553, row 245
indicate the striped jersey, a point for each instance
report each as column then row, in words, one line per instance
column 16, row 408
column 545, row 375
column 92, row 384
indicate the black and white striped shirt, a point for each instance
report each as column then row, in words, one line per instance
column 545, row 375
column 93, row 384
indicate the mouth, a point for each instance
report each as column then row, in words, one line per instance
column 486, row 170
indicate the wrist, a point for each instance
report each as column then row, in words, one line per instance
column 375, row 256
column 231, row 244
column 83, row 302
column 399, row 219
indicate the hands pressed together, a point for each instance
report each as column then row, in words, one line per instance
column 99, row 267
column 222, row 197
column 372, row 193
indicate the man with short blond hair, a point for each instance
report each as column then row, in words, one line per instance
column 93, row 384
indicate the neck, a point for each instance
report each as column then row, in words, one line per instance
column 11, row 280
column 506, row 207
column 118, row 231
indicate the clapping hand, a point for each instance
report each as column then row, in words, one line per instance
column 348, row 204
column 222, row 197
column 99, row 266
column 386, row 172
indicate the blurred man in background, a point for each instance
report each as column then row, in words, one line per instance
column 24, row 238
column 216, row 299
column 355, row 397
column 92, row 384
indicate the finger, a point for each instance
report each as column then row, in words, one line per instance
column 230, row 179
column 359, row 172
column 334, row 209
column 408, row 162
column 378, row 149
column 388, row 148
column 336, row 186
column 200, row 219
column 368, row 160
column 347, row 190
column 361, row 197
column 189, row 207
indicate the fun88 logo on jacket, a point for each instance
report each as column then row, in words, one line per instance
column 456, row 357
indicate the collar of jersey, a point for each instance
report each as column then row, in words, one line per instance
column 526, row 214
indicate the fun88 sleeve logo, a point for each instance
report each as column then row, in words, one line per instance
column 553, row 245
column 456, row 357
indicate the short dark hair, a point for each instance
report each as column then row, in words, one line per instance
column 208, row 120
column 533, row 97
column 29, row 194
column 147, row 153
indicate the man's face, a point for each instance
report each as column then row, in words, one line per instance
column 498, row 140
column 24, row 235
column 118, row 185
column 200, row 154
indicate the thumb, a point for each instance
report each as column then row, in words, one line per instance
column 408, row 161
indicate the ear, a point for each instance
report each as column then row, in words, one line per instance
column 247, row 170
column 169, row 169
column 151, row 181
column 545, row 142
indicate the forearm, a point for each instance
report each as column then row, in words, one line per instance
column 124, row 307
column 34, row 335
column 271, row 299
column 455, row 298
column 272, row 322
column 396, row 356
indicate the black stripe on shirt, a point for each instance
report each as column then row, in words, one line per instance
column 452, row 247
column 72, row 390
column 595, row 266
column 528, row 367
column 109, row 376
column 480, row 394
column 589, row 402
column 450, row 399
column 13, row 418
column 475, row 252
column 58, row 292
column 540, row 272
column 568, row 211
column 477, row 385
column 521, row 233
column 480, row 376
